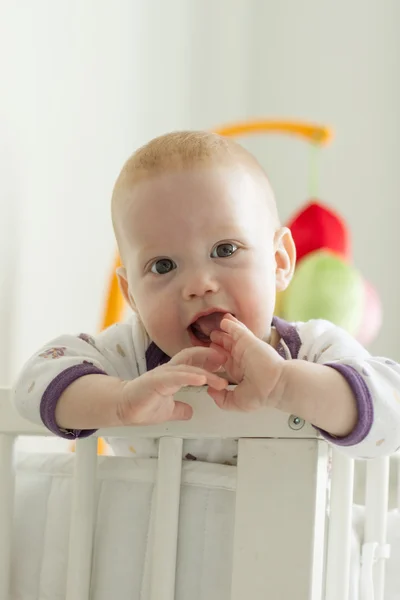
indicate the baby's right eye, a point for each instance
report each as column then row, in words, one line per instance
column 163, row 266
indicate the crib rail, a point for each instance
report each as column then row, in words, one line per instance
column 208, row 422
column 279, row 533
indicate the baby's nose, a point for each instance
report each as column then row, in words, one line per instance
column 199, row 284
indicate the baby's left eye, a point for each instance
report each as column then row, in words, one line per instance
column 224, row 250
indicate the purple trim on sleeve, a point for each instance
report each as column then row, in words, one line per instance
column 365, row 407
column 155, row 357
column 290, row 336
column 52, row 394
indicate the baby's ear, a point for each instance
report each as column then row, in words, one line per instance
column 285, row 258
column 124, row 287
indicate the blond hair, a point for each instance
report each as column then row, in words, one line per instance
column 178, row 151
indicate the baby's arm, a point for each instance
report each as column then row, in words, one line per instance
column 319, row 395
column 64, row 385
column 328, row 379
column 76, row 385
column 372, row 410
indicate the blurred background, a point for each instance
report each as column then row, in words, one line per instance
column 85, row 82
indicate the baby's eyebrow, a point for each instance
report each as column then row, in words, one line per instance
column 147, row 249
column 150, row 254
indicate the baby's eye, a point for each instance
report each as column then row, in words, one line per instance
column 224, row 250
column 163, row 266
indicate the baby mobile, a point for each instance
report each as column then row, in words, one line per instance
column 326, row 284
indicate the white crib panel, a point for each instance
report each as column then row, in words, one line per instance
column 82, row 520
column 280, row 519
column 340, row 527
column 6, row 511
column 168, row 487
column 376, row 504
column 397, row 463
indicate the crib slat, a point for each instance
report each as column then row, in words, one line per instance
column 397, row 463
column 340, row 524
column 376, row 504
column 279, row 519
column 6, row 510
column 82, row 520
column 168, row 488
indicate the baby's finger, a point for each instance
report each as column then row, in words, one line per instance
column 212, row 379
column 197, row 370
column 173, row 380
column 181, row 412
column 210, row 359
column 224, row 399
column 234, row 327
column 221, row 339
column 216, row 382
column 227, row 354
column 185, row 375
column 231, row 317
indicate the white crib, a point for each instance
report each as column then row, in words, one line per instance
column 284, row 545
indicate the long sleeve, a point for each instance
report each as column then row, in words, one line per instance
column 63, row 360
column 375, row 382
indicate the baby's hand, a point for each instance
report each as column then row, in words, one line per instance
column 250, row 362
column 149, row 399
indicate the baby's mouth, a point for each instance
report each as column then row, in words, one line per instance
column 203, row 326
column 199, row 334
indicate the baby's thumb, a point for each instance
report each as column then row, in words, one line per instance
column 181, row 412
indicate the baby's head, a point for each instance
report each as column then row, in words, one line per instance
column 198, row 231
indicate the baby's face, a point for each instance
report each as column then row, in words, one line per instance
column 198, row 244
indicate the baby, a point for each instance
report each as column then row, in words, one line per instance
column 204, row 255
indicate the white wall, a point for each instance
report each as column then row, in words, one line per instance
column 88, row 81
column 71, row 102
column 338, row 62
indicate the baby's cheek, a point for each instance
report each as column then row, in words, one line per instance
column 163, row 329
column 151, row 317
column 257, row 312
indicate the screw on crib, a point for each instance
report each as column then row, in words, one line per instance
column 295, row 422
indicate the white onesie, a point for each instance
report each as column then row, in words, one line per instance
column 125, row 351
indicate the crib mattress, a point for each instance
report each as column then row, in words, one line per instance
column 123, row 530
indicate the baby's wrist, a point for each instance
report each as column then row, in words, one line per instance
column 89, row 402
column 280, row 397
column 125, row 401
column 295, row 393
column 319, row 395
column 106, row 410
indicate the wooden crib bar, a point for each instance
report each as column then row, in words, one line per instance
column 6, row 510
column 340, row 526
column 165, row 533
column 280, row 519
column 82, row 520
column 375, row 531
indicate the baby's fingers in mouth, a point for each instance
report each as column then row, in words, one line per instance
column 224, row 340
